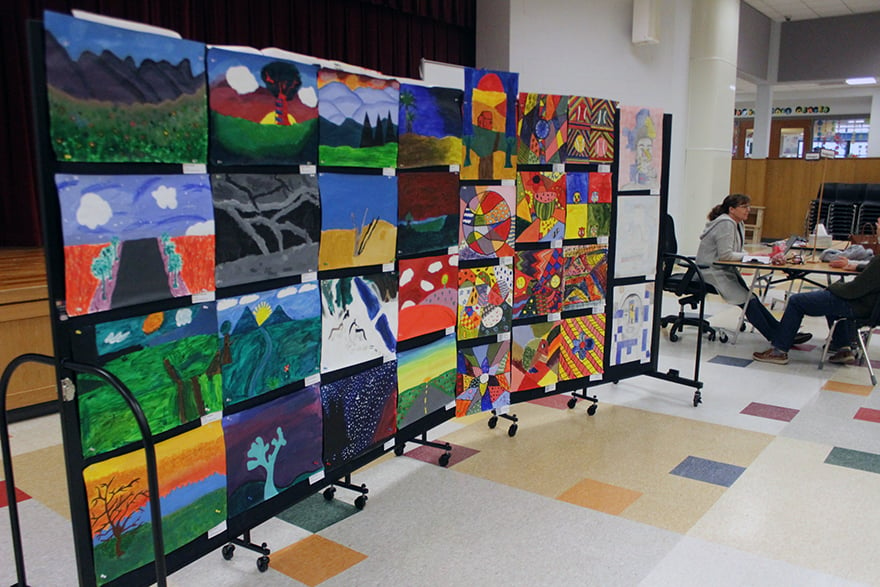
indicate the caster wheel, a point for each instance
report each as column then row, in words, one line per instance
column 398, row 449
column 444, row 459
column 711, row 336
column 673, row 337
column 591, row 410
column 263, row 564
column 512, row 430
column 329, row 493
column 360, row 502
column 493, row 421
column 698, row 398
column 572, row 403
column 723, row 338
column 742, row 327
column 228, row 551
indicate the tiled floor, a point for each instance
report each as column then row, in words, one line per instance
column 773, row 480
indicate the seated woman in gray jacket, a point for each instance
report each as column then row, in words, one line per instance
column 722, row 240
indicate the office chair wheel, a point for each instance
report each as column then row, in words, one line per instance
column 723, row 338
column 263, row 564
column 398, row 449
column 228, row 551
column 360, row 501
column 444, row 459
column 329, row 493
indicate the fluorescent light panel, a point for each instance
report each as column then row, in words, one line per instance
column 861, row 81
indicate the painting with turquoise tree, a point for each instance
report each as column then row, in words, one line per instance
column 426, row 380
column 358, row 119
column 540, row 206
column 267, row 225
column 534, row 355
column 483, row 381
column 430, row 126
column 360, row 412
column 427, row 217
column 489, row 124
column 542, row 128
column 487, row 223
column 358, row 320
column 192, row 495
column 269, row 339
column 272, row 447
column 131, row 239
column 428, row 295
column 120, row 95
column 169, row 360
column 537, row 282
column 264, row 110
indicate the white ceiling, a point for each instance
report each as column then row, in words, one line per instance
column 783, row 10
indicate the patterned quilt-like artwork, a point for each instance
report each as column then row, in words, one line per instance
column 582, row 346
column 542, row 128
column 486, row 221
column 577, row 190
column 485, row 300
column 540, row 206
column 586, row 276
column 483, row 378
column 534, row 355
column 590, row 130
column 631, row 323
column 537, row 289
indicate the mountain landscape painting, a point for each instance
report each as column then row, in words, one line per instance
column 264, row 110
column 269, row 339
column 267, row 226
column 427, row 203
column 430, row 126
column 118, row 95
column 131, row 239
column 358, row 119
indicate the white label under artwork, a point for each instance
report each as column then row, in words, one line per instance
column 604, row 168
column 194, row 168
column 550, row 388
column 313, row 379
column 389, row 444
column 308, row 169
column 315, row 477
column 217, row 530
column 455, row 168
column 310, row 276
column 212, row 417
column 388, row 171
column 504, row 336
column 203, row 297
column 387, row 267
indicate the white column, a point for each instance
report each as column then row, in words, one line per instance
column 711, row 90
column 763, row 111
column 874, row 133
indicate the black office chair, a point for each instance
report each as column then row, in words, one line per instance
column 864, row 328
column 682, row 278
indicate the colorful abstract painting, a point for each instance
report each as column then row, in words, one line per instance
column 267, row 226
column 426, row 378
column 542, row 127
column 540, row 206
column 358, row 220
column 360, row 412
column 534, row 355
column 537, row 279
column 428, row 295
column 131, row 239
column 483, row 381
column 272, row 447
column 641, row 149
column 264, row 110
column 192, row 496
column 169, row 360
column 269, row 339
column 637, row 237
column 358, row 320
column 118, row 95
column 582, row 347
column 586, row 276
column 598, row 220
column 487, row 230
column 590, row 130
column 578, row 138
column 600, row 187
column 577, row 189
column 632, row 323
column 430, row 126
column 489, row 124
column 485, row 301
column 428, row 212
column 358, row 119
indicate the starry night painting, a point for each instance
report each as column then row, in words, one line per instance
column 430, row 126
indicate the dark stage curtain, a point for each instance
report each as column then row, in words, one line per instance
column 390, row 36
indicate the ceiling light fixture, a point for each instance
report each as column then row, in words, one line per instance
column 861, row 81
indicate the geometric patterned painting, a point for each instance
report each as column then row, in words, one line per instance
column 601, row 139
column 631, row 323
column 582, row 345
column 426, row 380
column 486, row 222
column 485, row 300
column 428, row 295
column 542, row 128
column 489, row 124
column 483, row 382
column 534, row 355
column 537, row 279
column 577, row 146
column 641, row 148
column 540, row 206
column 577, row 199
column 585, row 273
column 430, row 129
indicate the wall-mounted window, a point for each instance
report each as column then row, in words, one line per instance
column 848, row 137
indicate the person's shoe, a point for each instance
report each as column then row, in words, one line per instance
column 771, row 355
column 802, row 337
column 843, row 356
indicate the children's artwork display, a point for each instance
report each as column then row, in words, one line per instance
column 631, row 323
column 534, row 355
column 119, row 95
column 269, row 339
column 582, row 347
column 267, row 226
column 426, row 380
column 641, row 149
column 430, row 126
column 637, row 237
column 358, row 220
column 586, row 276
column 542, row 127
column 599, row 220
column 428, row 295
column 485, row 301
column 540, row 206
column 537, row 279
column 360, row 412
column 428, row 212
column 590, row 130
column 483, row 382
column 131, row 239
column 169, row 360
column 264, row 110
column 489, row 124
column 486, row 221
column 358, row 119
column 358, row 320
column 272, row 447
column 192, row 493
column 577, row 198
column 600, row 187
